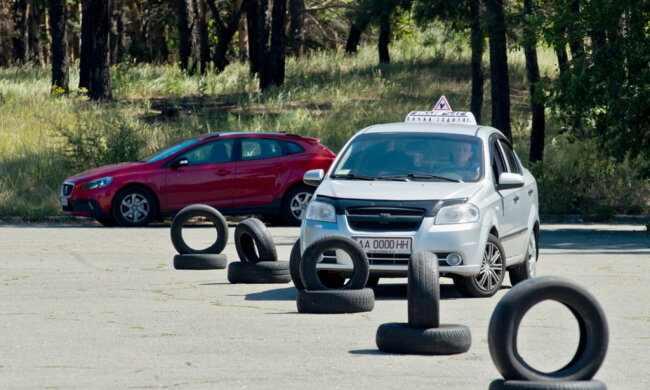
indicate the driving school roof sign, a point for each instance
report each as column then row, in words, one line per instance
column 442, row 105
column 441, row 113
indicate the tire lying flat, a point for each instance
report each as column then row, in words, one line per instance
column 501, row 384
column 254, row 242
column 263, row 272
column 335, row 301
column 200, row 261
column 199, row 210
column 423, row 291
column 401, row 338
column 507, row 316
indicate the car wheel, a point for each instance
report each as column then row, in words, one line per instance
column 527, row 269
column 134, row 206
column 295, row 202
column 335, row 301
column 108, row 221
column 491, row 274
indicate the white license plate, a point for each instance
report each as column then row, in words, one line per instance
column 64, row 201
column 385, row 245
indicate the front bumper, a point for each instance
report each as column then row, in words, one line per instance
column 85, row 208
column 464, row 239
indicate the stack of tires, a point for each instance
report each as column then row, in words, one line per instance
column 205, row 258
column 326, row 293
column 504, row 326
column 258, row 256
column 423, row 334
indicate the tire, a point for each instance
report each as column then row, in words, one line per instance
column 263, row 272
column 200, row 261
column 507, row 316
column 500, row 384
column 294, row 203
column 335, row 301
column 134, row 207
column 373, row 281
column 294, row 266
column 107, row 221
column 199, row 210
column 423, row 291
column 490, row 277
column 309, row 273
column 527, row 269
column 403, row 339
column 253, row 237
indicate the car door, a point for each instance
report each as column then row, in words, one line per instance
column 208, row 178
column 263, row 171
column 515, row 200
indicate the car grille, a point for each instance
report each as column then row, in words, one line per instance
column 66, row 189
column 384, row 218
column 388, row 259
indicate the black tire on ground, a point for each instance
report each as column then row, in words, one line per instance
column 294, row 203
column 200, row 261
column 134, row 206
column 527, row 269
column 263, row 272
column 335, row 301
column 309, row 272
column 423, row 291
column 199, row 210
column 403, row 339
column 254, row 242
column 501, row 384
column 108, row 221
column 294, row 266
column 507, row 316
column 372, row 281
column 491, row 275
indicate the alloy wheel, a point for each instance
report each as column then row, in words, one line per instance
column 299, row 203
column 491, row 272
column 531, row 260
column 135, row 208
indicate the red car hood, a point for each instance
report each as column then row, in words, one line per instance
column 103, row 171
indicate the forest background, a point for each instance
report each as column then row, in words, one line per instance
column 92, row 82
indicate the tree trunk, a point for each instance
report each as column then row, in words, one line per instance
column 185, row 10
column 85, row 54
column 478, row 78
column 100, row 24
column 117, row 32
column 277, row 55
column 500, row 87
column 263, row 43
column 253, row 35
column 384, row 38
column 60, row 60
column 562, row 58
column 296, row 31
column 357, row 27
column 532, row 73
column 226, row 29
column 21, row 11
column 36, row 20
column 204, row 43
column 575, row 37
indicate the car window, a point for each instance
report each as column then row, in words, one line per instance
column 168, row 151
column 258, row 148
column 293, row 148
column 211, row 153
column 513, row 164
column 497, row 161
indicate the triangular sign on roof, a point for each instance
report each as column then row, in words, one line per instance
column 442, row 105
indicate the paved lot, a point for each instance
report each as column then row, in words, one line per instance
column 92, row 307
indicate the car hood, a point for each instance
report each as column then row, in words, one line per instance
column 394, row 190
column 103, row 171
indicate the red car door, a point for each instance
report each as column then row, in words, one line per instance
column 208, row 178
column 263, row 172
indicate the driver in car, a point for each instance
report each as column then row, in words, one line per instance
column 461, row 162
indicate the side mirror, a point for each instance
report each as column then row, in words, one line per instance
column 313, row 177
column 180, row 162
column 510, row 180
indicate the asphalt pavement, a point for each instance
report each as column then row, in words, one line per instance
column 88, row 307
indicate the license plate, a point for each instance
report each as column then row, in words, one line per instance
column 64, row 201
column 385, row 245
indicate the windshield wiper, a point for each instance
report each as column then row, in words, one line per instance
column 427, row 176
column 352, row 176
column 394, row 177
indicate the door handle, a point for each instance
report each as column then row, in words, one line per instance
column 516, row 198
column 530, row 192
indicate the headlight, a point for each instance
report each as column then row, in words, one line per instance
column 319, row 211
column 98, row 183
column 458, row 213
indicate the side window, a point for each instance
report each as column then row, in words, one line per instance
column 293, row 148
column 259, row 148
column 211, row 153
column 497, row 161
column 513, row 164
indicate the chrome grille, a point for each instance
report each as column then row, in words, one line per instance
column 66, row 189
column 384, row 218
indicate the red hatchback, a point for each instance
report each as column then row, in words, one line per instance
column 237, row 173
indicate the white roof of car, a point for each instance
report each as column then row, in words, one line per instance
column 472, row 130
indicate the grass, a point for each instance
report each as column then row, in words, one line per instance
column 328, row 95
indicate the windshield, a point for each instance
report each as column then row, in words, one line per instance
column 412, row 157
column 168, row 151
